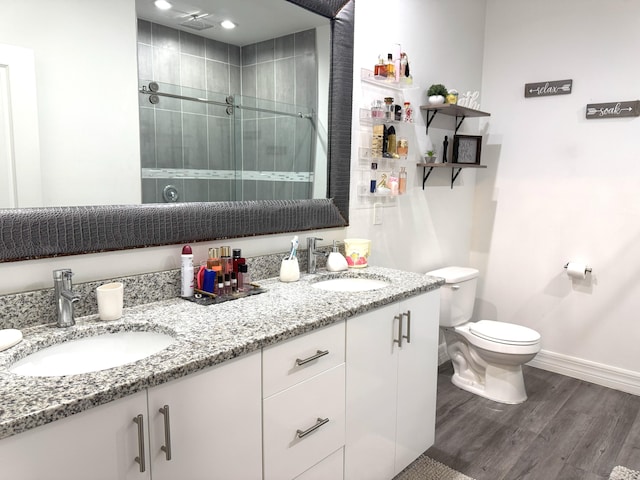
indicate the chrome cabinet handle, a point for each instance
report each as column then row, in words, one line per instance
column 399, row 340
column 140, row 458
column 320, row 422
column 166, row 448
column 408, row 335
column 318, row 354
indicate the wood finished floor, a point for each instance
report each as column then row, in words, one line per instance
column 567, row 429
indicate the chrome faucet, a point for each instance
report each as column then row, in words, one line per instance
column 64, row 297
column 312, row 254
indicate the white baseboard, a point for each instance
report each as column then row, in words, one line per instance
column 600, row 374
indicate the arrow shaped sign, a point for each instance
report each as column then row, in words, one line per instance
column 613, row 109
column 547, row 89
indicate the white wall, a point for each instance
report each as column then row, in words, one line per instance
column 86, row 82
column 444, row 42
column 560, row 187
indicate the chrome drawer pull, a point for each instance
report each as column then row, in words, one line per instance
column 319, row 353
column 319, row 423
column 408, row 335
column 140, row 458
column 399, row 340
column 166, row 448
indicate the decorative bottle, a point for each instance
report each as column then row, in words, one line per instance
column 408, row 112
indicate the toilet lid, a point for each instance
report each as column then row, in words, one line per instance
column 502, row 332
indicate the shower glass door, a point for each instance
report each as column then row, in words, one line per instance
column 203, row 146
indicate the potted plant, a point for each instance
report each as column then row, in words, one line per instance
column 437, row 93
column 430, row 156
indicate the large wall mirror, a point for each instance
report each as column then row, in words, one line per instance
column 34, row 232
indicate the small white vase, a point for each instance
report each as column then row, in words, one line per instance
column 436, row 99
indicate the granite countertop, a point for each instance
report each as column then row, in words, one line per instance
column 205, row 336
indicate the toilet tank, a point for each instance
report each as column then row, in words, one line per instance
column 457, row 295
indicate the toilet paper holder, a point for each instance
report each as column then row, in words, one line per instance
column 587, row 269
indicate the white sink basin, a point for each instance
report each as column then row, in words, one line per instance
column 350, row 284
column 91, row 354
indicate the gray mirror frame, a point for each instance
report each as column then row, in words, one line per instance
column 31, row 233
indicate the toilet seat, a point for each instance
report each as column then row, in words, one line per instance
column 505, row 333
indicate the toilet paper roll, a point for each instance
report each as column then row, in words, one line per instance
column 577, row 270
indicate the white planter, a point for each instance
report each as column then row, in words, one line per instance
column 436, row 99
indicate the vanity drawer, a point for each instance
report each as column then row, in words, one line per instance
column 291, row 444
column 290, row 362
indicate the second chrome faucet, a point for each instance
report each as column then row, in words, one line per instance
column 313, row 254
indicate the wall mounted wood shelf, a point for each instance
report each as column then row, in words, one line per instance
column 452, row 166
column 453, row 111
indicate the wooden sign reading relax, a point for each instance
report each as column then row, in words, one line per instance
column 614, row 109
column 547, row 89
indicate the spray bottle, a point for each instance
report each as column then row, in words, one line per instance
column 187, row 273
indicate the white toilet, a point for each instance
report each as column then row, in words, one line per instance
column 487, row 356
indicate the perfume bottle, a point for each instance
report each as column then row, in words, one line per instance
column 402, row 180
column 380, row 69
column 237, row 258
column 391, row 141
column 225, row 260
column 391, row 68
column 214, row 257
column 242, row 272
column 388, row 108
column 408, row 112
column 403, row 147
column 393, row 183
column 377, row 141
column 373, row 182
column 377, row 111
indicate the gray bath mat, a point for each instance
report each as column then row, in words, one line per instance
column 426, row 468
column 622, row 473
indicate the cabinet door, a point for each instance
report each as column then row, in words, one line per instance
column 417, row 378
column 100, row 444
column 372, row 366
column 214, row 420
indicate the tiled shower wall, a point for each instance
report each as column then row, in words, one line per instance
column 191, row 136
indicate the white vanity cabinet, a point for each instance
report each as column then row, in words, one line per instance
column 392, row 363
column 303, row 408
column 352, row 400
column 214, row 433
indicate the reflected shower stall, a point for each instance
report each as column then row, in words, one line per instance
column 209, row 147
column 201, row 145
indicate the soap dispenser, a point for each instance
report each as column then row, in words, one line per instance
column 336, row 262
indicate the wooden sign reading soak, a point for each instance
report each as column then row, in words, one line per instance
column 614, row 109
column 547, row 89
